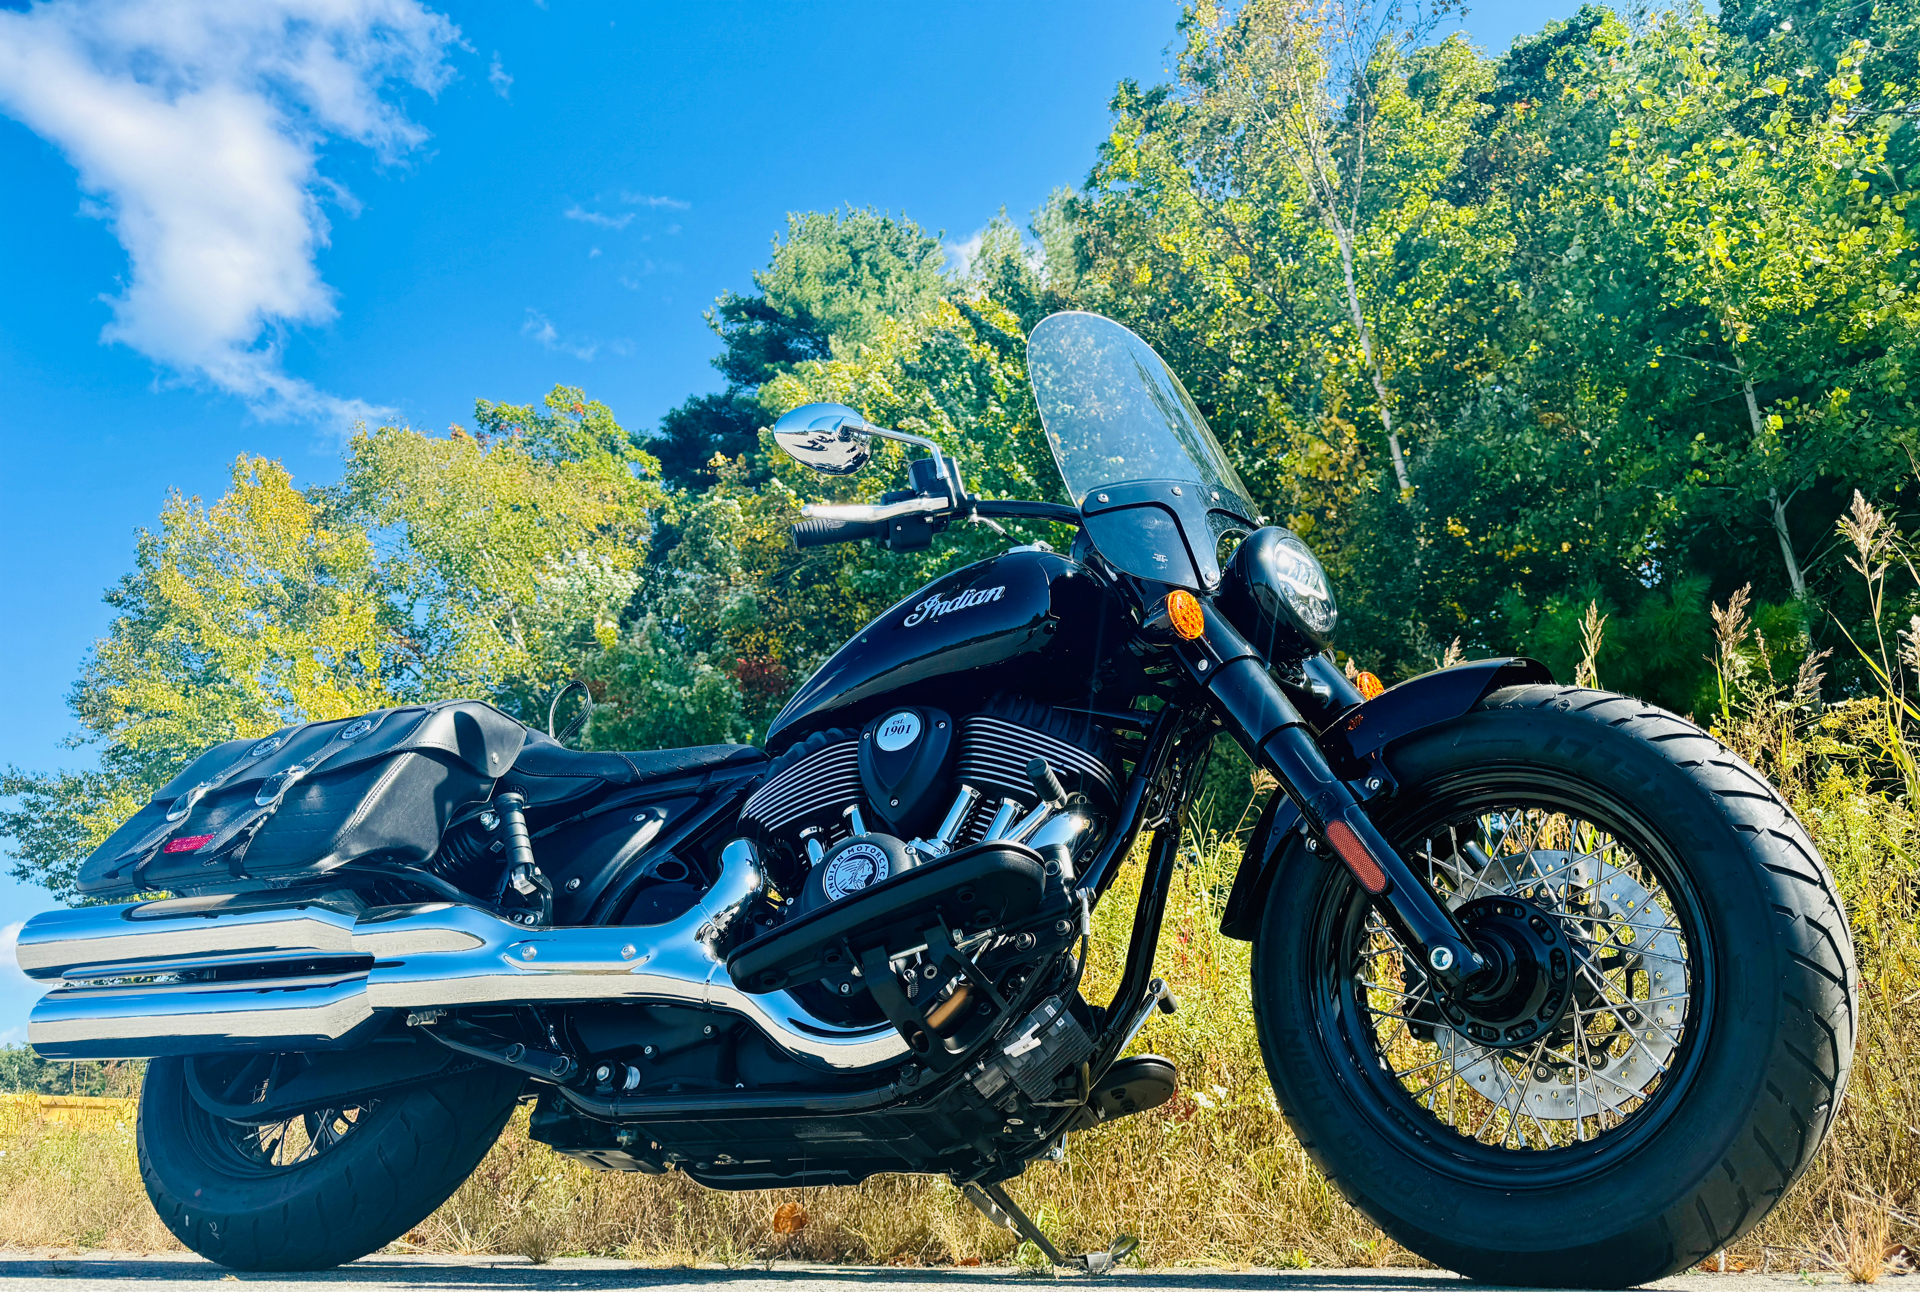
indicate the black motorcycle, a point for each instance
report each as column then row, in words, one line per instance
column 1550, row 984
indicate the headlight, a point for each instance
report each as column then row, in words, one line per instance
column 1304, row 584
column 1277, row 595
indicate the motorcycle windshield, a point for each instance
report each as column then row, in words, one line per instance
column 1127, row 437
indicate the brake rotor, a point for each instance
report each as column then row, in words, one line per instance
column 1609, row 921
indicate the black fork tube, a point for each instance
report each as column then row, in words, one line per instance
column 1263, row 719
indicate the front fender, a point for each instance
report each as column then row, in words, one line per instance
column 1353, row 742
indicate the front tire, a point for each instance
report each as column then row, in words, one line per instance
column 1639, row 1123
column 319, row 1189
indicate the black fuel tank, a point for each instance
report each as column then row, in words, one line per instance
column 1026, row 620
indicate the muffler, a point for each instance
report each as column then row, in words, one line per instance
column 198, row 975
column 204, row 975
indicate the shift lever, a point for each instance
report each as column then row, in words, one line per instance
column 1046, row 785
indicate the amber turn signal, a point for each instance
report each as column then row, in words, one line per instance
column 1368, row 685
column 1184, row 613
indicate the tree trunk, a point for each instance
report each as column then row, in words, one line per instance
column 1344, row 237
column 1796, row 579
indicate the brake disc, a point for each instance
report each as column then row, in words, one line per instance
column 1617, row 1040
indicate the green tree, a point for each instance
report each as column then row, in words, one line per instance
column 834, row 279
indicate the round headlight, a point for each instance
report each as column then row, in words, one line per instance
column 1304, row 585
column 1277, row 595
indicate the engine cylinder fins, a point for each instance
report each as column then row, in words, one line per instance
column 994, row 757
column 817, row 786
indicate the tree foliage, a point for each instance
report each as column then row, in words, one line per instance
column 1613, row 324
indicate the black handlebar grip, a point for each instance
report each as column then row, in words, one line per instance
column 818, row 533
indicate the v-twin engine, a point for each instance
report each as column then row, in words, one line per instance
column 913, row 793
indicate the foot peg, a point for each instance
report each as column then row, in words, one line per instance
column 996, row 1206
column 1130, row 1086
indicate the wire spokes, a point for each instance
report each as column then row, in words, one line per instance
column 1631, row 987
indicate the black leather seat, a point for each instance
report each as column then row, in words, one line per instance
column 548, row 772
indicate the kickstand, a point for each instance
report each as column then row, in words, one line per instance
column 996, row 1206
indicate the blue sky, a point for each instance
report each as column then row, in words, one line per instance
column 225, row 233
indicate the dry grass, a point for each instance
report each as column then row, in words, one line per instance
column 68, row 1185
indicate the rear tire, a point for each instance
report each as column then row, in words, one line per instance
column 385, row 1166
column 1740, row 1079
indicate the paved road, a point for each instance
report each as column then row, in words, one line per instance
column 176, row 1273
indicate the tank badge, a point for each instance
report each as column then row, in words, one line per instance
column 933, row 607
column 898, row 731
column 856, row 867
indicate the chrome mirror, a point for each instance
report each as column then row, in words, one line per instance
column 830, row 438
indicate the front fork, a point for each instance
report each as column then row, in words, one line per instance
column 1268, row 726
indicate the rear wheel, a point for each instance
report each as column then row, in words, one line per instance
column 1667, row 1039
column 315, row 1188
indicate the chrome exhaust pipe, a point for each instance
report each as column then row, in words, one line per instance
column 207, row 975
column 417, row 965
column 157, row 1021
column 197, row 975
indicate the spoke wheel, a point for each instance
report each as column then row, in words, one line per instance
column 276, row 1142
column 1666, row 1031
column 311, row 1188
column 1602, row 980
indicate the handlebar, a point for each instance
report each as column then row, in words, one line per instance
column 1020, row 509
column 881, row 512
column 820, row 532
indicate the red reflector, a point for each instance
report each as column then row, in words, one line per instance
column 192, row 843
column 1347, row 846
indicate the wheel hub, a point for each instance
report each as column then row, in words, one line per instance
column 1526, row 996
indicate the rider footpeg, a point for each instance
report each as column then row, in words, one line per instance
column 1134, row 1085
column 995, row 1205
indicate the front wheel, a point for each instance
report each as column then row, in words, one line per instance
column 316, row 1188
column 1669, row 1033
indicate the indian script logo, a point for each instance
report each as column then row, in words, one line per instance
column 933, row 607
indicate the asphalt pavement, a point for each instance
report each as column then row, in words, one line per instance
column 28, row 1272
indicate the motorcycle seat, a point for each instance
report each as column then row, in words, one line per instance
column 548, row 772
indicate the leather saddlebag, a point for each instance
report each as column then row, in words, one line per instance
column 310, row 798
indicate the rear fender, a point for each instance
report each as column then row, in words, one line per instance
column 1355, row 744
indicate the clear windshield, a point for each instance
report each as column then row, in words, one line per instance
column 1114, row 412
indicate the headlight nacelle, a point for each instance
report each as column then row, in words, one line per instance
column 1278, row 596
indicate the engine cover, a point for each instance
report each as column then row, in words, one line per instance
column 906, row 764
column 851, row 866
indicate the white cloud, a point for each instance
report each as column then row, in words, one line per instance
column 577, row 212
column 497, row 77
column 9, row 959
column 196, row 128
column 541, row 328
column 960, row 255
column 654, row 200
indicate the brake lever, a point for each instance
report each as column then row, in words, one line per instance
column 870, row 512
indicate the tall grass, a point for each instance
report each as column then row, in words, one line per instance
column 1215, row 1176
